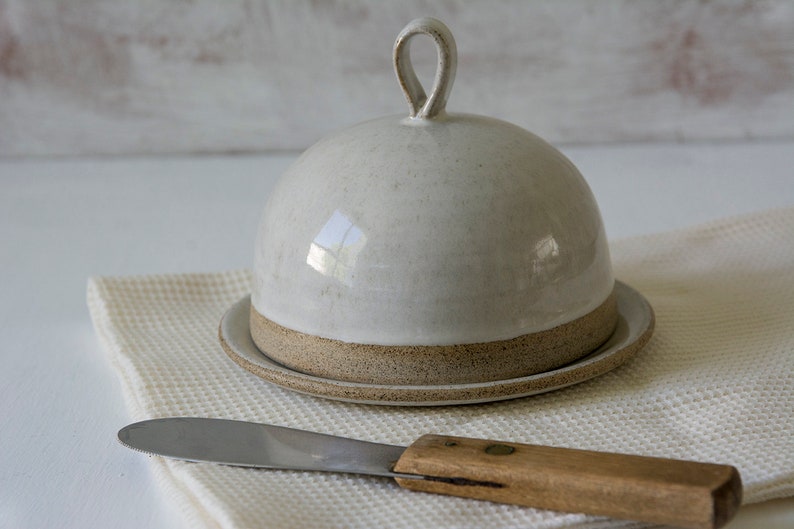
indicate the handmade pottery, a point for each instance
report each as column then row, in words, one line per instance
column 634, row 329
column 433, row 248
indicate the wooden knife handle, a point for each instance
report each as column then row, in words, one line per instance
column 647, row 489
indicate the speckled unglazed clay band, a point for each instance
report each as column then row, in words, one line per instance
column 431, row 365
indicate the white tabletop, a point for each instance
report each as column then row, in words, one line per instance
column 64, row 220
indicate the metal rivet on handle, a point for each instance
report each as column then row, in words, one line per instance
column 499, row 450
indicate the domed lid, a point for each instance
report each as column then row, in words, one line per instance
column 430, row 230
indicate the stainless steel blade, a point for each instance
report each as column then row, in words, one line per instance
column 258, row 445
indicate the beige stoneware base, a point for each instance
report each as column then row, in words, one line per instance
column 436, row 364
column 634, row 328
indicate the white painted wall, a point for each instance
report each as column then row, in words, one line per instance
column 163, row 76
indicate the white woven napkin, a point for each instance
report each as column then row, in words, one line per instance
column 714, row 384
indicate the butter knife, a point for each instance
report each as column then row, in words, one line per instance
column 647, row 489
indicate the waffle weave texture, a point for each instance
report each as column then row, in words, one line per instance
column 715, row 383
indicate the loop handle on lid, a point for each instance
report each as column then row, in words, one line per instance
column 420, row 105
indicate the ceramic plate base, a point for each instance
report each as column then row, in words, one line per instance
column 634, row 329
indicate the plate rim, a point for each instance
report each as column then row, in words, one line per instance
column 636, row 321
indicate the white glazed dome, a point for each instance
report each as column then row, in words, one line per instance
column 433, row 229
column 456, row 230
